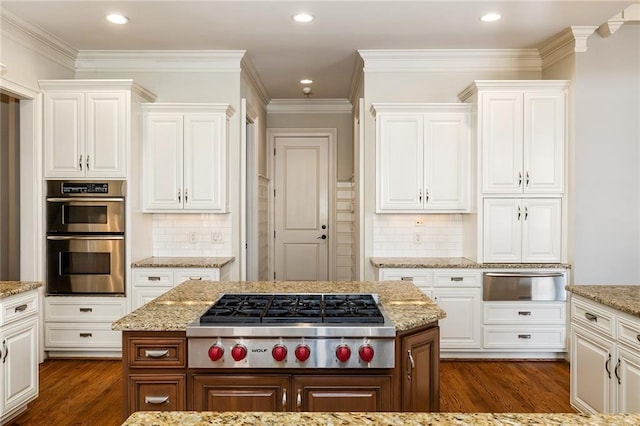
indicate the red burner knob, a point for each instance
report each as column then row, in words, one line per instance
column 302, row 352
column 279, row 352
column 239, row 352
column 216, row 352
column 366, row 353
column 343, row 353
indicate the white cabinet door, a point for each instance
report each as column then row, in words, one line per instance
column 544, row 142
column 502, row 230
column 541, row 233
column 163, row 144
column 64, row 135
column 19, row 364
column 627, row 375
column 592, row 366
column 106, row 134
column 400, row 157
column 204, row 162
column 461, row 329
column 446, row 162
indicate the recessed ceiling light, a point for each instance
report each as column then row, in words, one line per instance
column 303, row 17
column 491, row 17
column 115, row 18
column 306, row 81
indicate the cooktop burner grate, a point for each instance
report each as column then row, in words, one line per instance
column 294, row 308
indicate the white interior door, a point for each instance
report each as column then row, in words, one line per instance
column 301, row 208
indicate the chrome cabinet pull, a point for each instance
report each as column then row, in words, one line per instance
column 420, row 195
column 406, row 278
column 186, row 195
column 87, row 162
column 196, row 278
column 155, row 400
column 5, row 349
column 20, row 308
column 526, row 212
column 524, row 336
column 606, row 366
column 86, row 309
column 156, row 353
column 299, row 398
column 86, row 335
column 524, row 313
column 153, row 278
column 526, row 182
column 519, row 212
column 458, row 279
column 80, row 163
column 519, row 179
column 591, row 317
column 179, row 195
column 284, row 399
column 615, row 371
column 426, row 193
column 411, row 364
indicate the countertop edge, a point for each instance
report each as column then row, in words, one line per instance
column 624, row 298
column 12, row 288
column 455, row 263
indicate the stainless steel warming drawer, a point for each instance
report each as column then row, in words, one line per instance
column 536, row 286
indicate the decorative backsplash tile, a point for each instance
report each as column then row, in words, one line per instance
column 407, row 235
column 198, row 234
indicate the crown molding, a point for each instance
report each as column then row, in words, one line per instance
column 450, row 59
column 38, row 40
column 407, row 108
column 160, row 60
column 98, row 84
column 510, row 85
column 18, row 90
column 630, row 14
column 567, row 42
column 249, row 72
column 309, row 106
column 190, row 108
column 357, row 76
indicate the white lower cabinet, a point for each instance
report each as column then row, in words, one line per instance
column 605, row 364
column 19, row 353
column 81, row 326
column 461, row 328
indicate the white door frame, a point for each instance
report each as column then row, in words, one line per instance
column 249, row 190
column 332, row 136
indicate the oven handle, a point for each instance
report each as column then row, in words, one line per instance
column 84, row 237
column 93, row 200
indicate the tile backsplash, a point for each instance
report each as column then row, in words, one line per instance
column 406, row 235
column 190, row 235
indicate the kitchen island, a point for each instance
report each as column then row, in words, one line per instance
column 157, row 377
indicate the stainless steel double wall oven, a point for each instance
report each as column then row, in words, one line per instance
column 85, row 237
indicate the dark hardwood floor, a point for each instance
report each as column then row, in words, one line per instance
column 87, row 392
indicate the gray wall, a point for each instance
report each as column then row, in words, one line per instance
column 606, row 194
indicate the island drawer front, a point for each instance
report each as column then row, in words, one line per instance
column 420, row 277
column 457, row 278
column 593, row 317
column 153, row 277
column 80, row 337
column 154, row 352
column 629, row 332
column 150, row 392
column 66, row 310
column 524, row 338
column 20, row 306
column 524, row 313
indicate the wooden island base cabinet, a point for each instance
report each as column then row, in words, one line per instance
column 156, row 378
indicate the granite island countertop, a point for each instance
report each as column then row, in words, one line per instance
column 455, row 263
column 11, row 288
column 182, row 262
column 157, row 418
column 403, row 302
column 625, row 298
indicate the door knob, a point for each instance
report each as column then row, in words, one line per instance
column 324, row 237
column 324, row 226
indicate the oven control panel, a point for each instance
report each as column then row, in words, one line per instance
column 205, row 352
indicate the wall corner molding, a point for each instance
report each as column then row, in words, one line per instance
column 251, row 74
column 564, row 44
column 160, row 60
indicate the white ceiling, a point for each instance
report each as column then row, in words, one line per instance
column 325, row 50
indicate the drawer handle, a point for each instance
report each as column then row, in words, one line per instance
column 86, row 309
column 406, row 278
column 457, row 278
column 591, row 317
column 524, row 336
column 299, row 398
column 86, row 335
column 524, row 313
column 20, row 308
column 159, row 353
column 154, row 278
column 606, row 365
column 195, row 278
column 156, row 399
column 638, row 337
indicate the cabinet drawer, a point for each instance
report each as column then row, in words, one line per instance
column 456, row 279
column 629, row 333
column 154, row 352
column 204, row 274
column 593, row 317
column 524, row 313
column 81, row 337
column 420, row 277
column 20, row 306
column 153, row 277
column 523, row 338
column 166, row 392
column 82, row 311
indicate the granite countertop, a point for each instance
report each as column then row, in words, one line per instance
column 625, row 298
column 157, row 418
column 10, row 288
column 455, row 262
column 403, row 302
column 182, row 262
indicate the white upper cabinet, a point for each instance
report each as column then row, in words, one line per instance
column 422, row 157
column 185, row 157
column 522, row 134
column 87, row 127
